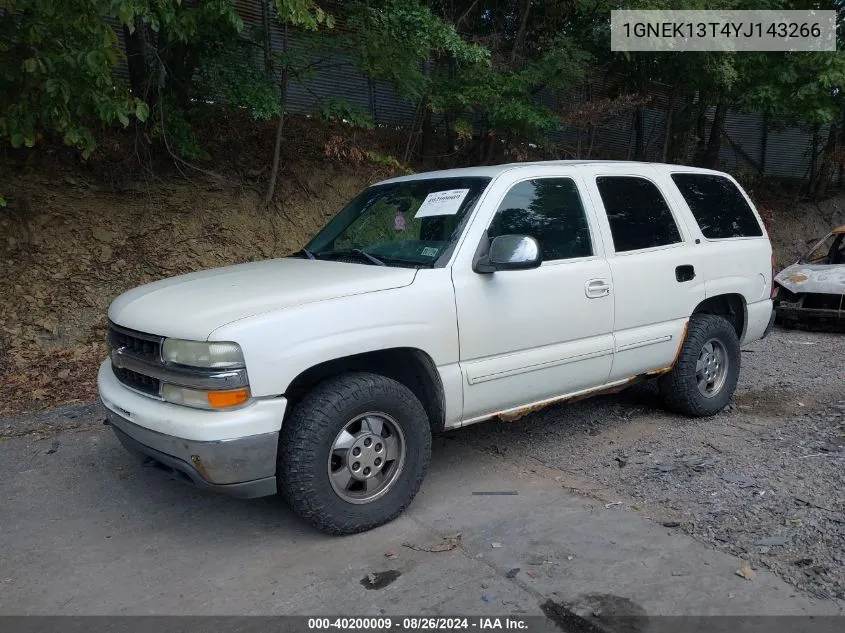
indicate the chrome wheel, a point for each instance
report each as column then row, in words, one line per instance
column 711, row 369
column 366, row 458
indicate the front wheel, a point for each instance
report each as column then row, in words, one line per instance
column 703, row 380
column 353, row 453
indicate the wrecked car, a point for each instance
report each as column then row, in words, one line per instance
column 812, row 290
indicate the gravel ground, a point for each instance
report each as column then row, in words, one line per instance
column 775, row 496
column 764, row 480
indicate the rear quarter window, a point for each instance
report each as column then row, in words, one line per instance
column 718, row 206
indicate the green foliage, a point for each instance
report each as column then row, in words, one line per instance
column 798, row 86
column 202, row 58
column 483, row 62
column 463, row 129
column 387, row 161
column 304, row 14
column 503, row 99
column 506, row 98
column 396, row 37
column 233, row 70
column 56, row 71
column 175, row 129
column 341, row 110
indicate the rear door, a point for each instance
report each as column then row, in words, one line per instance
column 731, row 233
column 656, row 272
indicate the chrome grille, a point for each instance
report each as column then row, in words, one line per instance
column 139, row 382
column 136, row 362
column 146, row 346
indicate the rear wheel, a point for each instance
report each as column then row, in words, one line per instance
column 703, row 380
column 353, row 453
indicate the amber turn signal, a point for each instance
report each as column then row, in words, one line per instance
column 223, row 399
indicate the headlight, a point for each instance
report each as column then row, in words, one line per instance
column 209, row 355
column 203, row 399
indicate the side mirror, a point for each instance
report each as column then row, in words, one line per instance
column 510, row 252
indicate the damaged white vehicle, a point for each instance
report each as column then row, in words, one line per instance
column 813, row 288
column 431, row 302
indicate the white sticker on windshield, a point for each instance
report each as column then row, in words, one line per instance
column 442, row 203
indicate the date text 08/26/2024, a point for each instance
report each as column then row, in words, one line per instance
column 417, row 623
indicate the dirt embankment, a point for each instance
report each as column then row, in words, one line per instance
column 795, row 226
column 71, row 241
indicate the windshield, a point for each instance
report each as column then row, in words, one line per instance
column 825, row 251
column 410, row 223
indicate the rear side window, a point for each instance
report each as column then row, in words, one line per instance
column 639, row 215
column 718, row 206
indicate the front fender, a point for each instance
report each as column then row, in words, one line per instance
column 280, row 345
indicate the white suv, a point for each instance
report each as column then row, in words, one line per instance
column 431, row 302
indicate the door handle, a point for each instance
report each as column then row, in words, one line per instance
column 685, row 273
column 596, row 288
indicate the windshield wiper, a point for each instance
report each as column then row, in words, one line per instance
column 372, row 258
column 306, row 252
column 354, row 251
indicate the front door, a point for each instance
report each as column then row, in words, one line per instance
column 532, row 335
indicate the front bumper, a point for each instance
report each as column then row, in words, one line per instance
column 792, row 311
column 242, row 468
column 233, row 452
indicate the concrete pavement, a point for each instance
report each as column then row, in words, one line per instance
column 85, row 529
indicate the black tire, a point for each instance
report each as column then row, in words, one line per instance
column 305, row 444
column 679, row 388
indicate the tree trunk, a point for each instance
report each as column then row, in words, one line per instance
column 491, row 148
column 667, row 131
column 841, row 125
column 417, row 124
column 639, row 140
column 818, row 186
column 277, row 149
column 427, row 134
column 427, row 128
column 136, row 61
column 451, row 135
column 520, row 36
column 700, row 134
column 682, row 147
column 421, row 116
column 711, row 154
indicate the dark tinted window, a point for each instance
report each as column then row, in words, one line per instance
column 718, row 206
column 639, row 216
column 549, row 210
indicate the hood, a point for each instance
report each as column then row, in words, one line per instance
column 192, row 306
column 819, row 278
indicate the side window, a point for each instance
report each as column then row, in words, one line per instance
column 550, row 211
column 638, row 213
column 718, row 206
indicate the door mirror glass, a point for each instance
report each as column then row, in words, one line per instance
column 511, row 252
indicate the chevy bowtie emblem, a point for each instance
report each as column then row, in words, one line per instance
column 117, row 357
